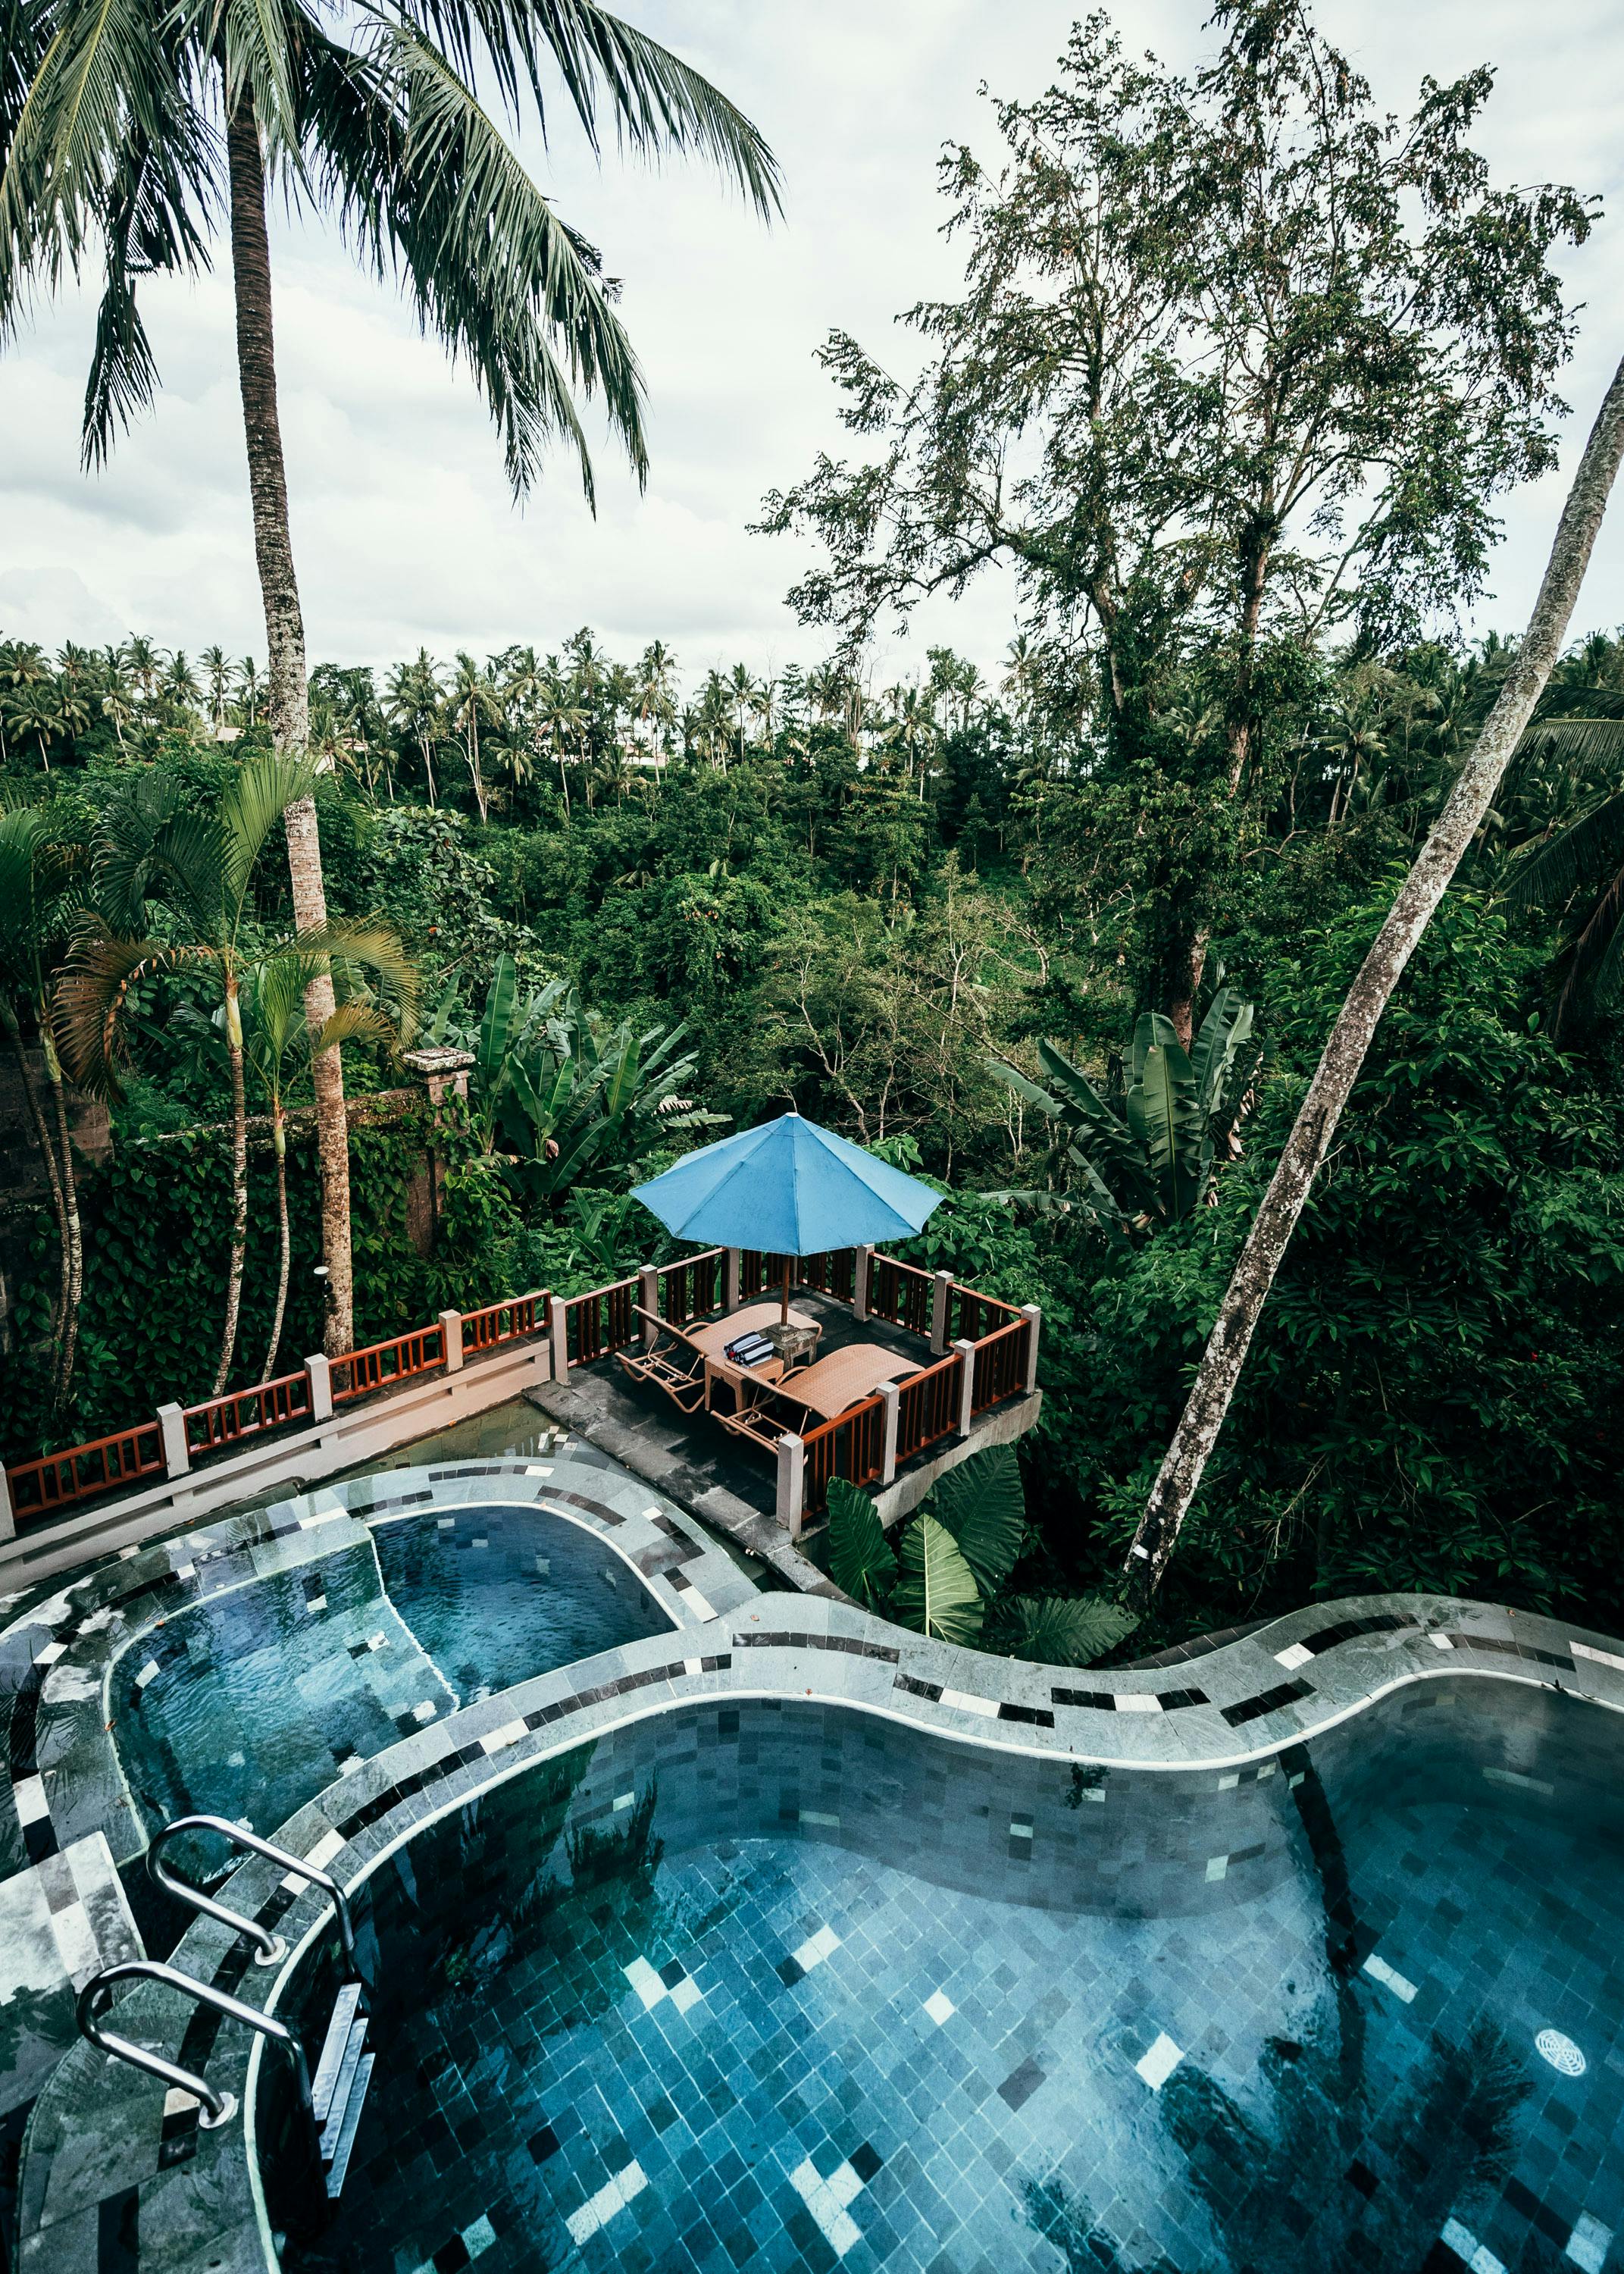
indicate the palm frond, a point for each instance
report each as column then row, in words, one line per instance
column 426, row 187
column 1582, row 854
column 364, row 944
column 259, row 794
column 148, row 230
column 91, row 992
column 151, row 846
column 657, row 103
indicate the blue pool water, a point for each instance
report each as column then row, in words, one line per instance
column 253, row 1702
column 782, row 1987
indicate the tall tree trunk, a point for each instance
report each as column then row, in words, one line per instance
column 286, row 695
column 279, row 1136
column 239, row 1188
column 68, row 1341
column 1344, row 1054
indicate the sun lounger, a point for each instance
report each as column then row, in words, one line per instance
column 822, row 1392
column 684, row 1361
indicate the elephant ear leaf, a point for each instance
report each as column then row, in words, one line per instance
column 981, row 1502
column 861, row 1558
column 1069, row 1631
column 936, row 1593
column 496, row 1027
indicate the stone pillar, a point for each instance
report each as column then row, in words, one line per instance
column 451, row 1334
column 891, row 1396
column 8, row 1514
column 320, row 1369
column 967, row 1385
column 940, row 1288
column 1033, row 1317
column 647, row 1299
column 792, row 1484
column 558, row 1337
column 862, row 1262
column 177, row 1456
column 731, row 1276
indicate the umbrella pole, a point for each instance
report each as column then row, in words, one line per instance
column 785, row 1314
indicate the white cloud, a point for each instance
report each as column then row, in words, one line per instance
column 402, row 527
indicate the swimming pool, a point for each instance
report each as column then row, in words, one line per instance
column 780, row 1985
column 250, row 1702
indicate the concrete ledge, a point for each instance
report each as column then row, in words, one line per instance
column 1002, row 1427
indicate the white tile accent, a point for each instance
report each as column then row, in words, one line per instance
column 148, row 1673
column 497, row 1741
column 599, row 2209
column 50, row 1653
column 1228, row 1783
column 75, row 1943
column 1442, row 1642
column 646, row 1981
column 1019, row 1829
column 648, row 1514
column 687, row 1993
column 124, row 1554
column 479, row 2236
column 539, row 1469
column 816, row 1948
column 330, row 1844
column 1390, row 1978
column 425, row 1712
column 966, row 1704
column 1159, row 2062
column 1136, row 1701
column 817, row 1816
column 378, row 1642
column 326, row 1515
column 185, row 1570
column 1466, row 2246
column 1598, row 1657
column 700, row 1605
column 31, row 1805
column 826, row 2200
column 1293, row 1656
column 1523, row 1783
column 624, row 1800
column 692, row 1666
column 315, row 1602
column 1217, row 1867
column 177, row 2101
column 940, row 2007
column 445, row 1523
column 1589, row 2243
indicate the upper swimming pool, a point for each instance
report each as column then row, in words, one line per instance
column 252, row 1703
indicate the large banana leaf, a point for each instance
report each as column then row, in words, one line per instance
column 936, row 1593
column 496, row 1029
column 1226, row 1027
column 1062, row 1630
column 1097, row 1130
column 1165, row 1115
column 1152, row 1031
column 861, row 1558
column 983, row 1505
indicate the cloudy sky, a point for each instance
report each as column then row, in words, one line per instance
column 403, row 526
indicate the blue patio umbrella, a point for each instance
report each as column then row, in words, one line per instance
column 786, row 1189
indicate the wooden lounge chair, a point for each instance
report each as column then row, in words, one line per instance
column 822, row 1391
column 685, row 1362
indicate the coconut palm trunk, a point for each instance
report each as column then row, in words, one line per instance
column 67, row 1343
column 1344, row 1056
column 279, row 1138
column 239, row 1184
column 288, row 701
column 64, row 1321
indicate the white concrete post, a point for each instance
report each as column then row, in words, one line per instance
column 558, row 1337
column 451, row 1335
column 892, row 1399
column 967, row 1385
column 939, row 1290
column 731, row 1273
column 172, row 1424
column 862, row 1262
column 320, row 1369
column 1033, row 1317
column 8, row 1514
column 647, row 1297
column 792, row 1484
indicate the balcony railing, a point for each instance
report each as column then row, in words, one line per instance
column 222, row 1421
column 58, row 1480
column 380, row 1364
column 603, row 1321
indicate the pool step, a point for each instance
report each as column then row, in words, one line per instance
column 338, row 2090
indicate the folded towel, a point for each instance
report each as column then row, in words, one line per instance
column 749, row 1349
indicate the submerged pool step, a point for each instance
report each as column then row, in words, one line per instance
column 338, row 2091
column 340, row 2163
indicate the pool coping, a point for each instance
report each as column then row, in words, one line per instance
column 201, row 2204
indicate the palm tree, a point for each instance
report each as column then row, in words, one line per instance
column 470, row 699
column 38, row 888
column 1349, row 1040
column 181, row 691
column 248, row 690
column 154, row 847
column 275, row 1031
column 118, row 142
column 35, row 708
column 656, row 704
column 560, row 717
column 141, row 659
column 118, row 694
column 413, row 698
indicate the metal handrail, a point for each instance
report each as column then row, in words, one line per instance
column 97, row 1993
column 270, row 1947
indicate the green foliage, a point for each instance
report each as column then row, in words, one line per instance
column 1061, row 1631
column 982, row 1503
column 861, row 1558
column 936, row 1593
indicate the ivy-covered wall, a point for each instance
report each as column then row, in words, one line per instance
column 156, row 1226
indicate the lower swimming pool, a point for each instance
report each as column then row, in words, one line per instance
column 787, row 1986
column 250, row 1702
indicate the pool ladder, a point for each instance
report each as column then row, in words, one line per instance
column 332, row 2101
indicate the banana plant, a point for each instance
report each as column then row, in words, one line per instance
column 556, row 1087
column 1143, row 1156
